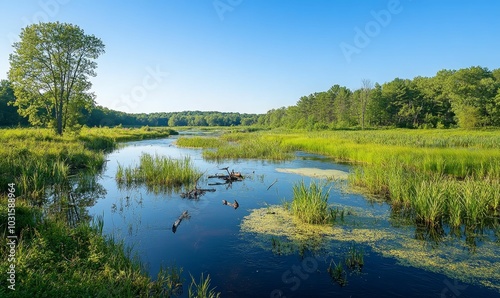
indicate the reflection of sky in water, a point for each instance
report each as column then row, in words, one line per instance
column 210, row 240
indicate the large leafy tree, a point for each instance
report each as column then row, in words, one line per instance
column 50, row 70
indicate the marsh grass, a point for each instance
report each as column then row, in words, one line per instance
column 238, row 145
column 202, row 288
column 310, row 203
column 159, row 172
column 60, row 261
column 52, row 257
column 200, row 142
column 435, row 176
column 37, row 158
column 337, row 273
column 355, row 258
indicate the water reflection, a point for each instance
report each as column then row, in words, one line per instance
column 70, row 201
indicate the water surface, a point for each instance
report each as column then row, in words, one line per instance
column 245, row 264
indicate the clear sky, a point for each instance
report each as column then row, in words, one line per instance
column 251, row 56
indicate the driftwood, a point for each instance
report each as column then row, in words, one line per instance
column 230, row 177
column 235, row 205
column 178, row 221
column 196, row 192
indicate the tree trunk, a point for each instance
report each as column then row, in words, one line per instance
column 59, row 117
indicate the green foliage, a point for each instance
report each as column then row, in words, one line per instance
column 159, row 173
column 235, row 145
column 38, row 158
column 8, row 113
column 337, row 273
column 310, row 204
column 437, row 176
column 202, row 288
column 355, row 258
column 471, row 94
column 52, row 257
column 49, row 70
column 55, row 260
column 200, row 142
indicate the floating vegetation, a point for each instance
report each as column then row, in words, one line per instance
column 330, row 174
column 451, row 258
column 159, row 173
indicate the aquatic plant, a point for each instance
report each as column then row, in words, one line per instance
column 310, row 203
column 355, row 258
column 51, row 256
column 200, row 142
column 202, row 288
column 159, row 172
column 337, row 273
column 58, row 260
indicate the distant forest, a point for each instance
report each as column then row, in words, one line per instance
column 101, row 116
column 467, row 98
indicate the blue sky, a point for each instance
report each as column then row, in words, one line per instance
column 254, row 55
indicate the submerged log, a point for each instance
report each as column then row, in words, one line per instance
column 178, row 221
column 230, row 177
column 195, row 193
column 235, row 205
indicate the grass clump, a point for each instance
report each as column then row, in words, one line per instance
column 337, row 273
column 159, row 172
column 239, row 145
column 310, row 203
column 355, row 258
column 202, row 288
column 199, row 142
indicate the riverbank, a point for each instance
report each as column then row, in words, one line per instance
column 43, row 252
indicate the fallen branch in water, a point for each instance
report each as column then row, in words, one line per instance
column 178, row 221
column 272, row 184
column 235, row 205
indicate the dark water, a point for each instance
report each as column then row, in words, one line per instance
column 210, row 241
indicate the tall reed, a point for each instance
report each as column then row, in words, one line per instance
column 310, row 203
column 159, row 172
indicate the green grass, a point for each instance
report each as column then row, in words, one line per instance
column 310, row 203
column 337, row 273
column 159, row 173
column 53, row 257
column 238, row 145
column 440, row 176
column 202, row 288
column 55, row 260
column 37, row 158
column 200, row 142
column 355, row 258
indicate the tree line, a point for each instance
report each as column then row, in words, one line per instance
column 95, row 115
column 467, row 98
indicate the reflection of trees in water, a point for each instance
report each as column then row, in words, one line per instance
column 70, row 201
